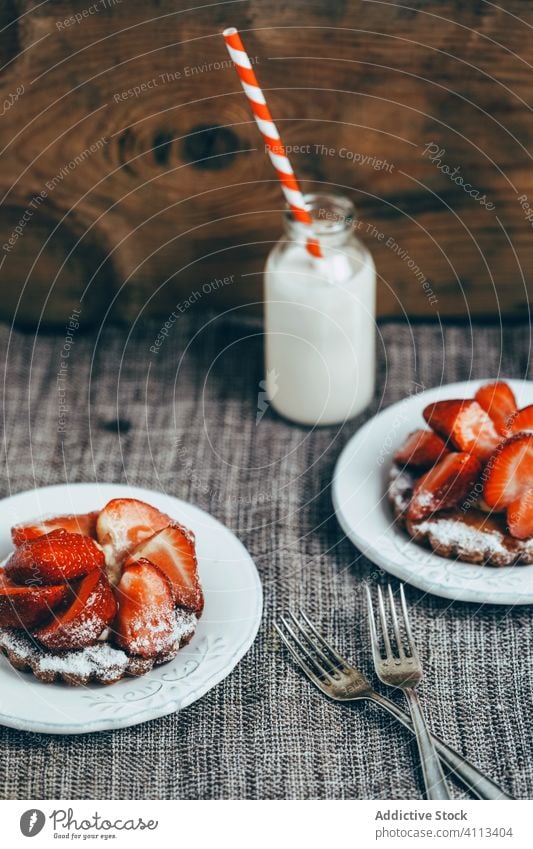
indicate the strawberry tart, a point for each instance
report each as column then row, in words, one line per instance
column 464, row 488
column 95, row 597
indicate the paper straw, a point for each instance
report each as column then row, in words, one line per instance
column 271, row 137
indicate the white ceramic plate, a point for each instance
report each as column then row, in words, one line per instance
column 360, row 502
column 226, row 630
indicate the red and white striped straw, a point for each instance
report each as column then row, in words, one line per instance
column 271, row 137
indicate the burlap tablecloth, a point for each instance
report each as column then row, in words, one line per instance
column 184, row 420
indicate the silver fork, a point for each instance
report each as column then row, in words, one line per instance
column 342, row 682
column 403, row 669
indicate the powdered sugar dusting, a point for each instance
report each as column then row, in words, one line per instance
column 185, row 624
column 92, row 660
column 20, row 643
column 400, row 489
column 453, row 532
column 101, row 662
column 81, row 632
column 160, row 633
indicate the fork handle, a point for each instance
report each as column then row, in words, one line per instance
column 478, row 783
column 436, row 787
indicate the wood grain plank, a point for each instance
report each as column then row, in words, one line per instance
column 133, row 124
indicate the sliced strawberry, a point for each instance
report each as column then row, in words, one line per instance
column 510, row 472
column 497, row 399
column 93, row 609
column 467, row 424
column 124, row 523
column 422, row 449
column 82, row 523
column 53, row 558
column 520, row 516
column 444, row 486
column 24, row 607
column 172, row 549
column 145, row 620
column 522, row 421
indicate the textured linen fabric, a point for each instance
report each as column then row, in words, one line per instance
column 184, row 420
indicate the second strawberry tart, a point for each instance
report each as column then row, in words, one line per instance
column 465, row 487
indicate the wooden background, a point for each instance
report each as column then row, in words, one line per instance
column 178, row 191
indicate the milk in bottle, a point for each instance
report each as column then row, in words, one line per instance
column 320, row 318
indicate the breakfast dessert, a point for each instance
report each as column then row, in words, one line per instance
column 465, row 487
column 94, row 597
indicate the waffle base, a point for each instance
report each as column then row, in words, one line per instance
column 101, row 663
column 473, row 536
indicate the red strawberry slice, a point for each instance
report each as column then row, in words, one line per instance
column 94, row 608
column 53, row 558
column 497, row 399
column 520, row 516
column 124, row 523
column 145, row 621
column 422, row 449
column 444, row 486
column 82, row 523
column 522, row 421
column 467, row 424
column 510, row 472
column 173, row 551
column 24, row 607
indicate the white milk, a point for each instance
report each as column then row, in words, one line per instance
column 320, row 321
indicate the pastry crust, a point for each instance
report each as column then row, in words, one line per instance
column 472, row 535
column 102, row 663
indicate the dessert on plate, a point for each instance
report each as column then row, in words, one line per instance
column 464, row 487
column 95, row 597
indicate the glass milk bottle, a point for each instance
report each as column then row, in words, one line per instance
column 320, row 318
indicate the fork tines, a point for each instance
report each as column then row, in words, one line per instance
column 385, row 641
column 310, row 650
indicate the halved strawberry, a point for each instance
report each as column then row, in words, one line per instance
column 24, row 607
column 94, row 607
column 467, row 424
column 82, row 523
column 497, row 399
column 510, row 472
column 145, row 621
column 422, row 449
column 172, row 549
column 123, row 524
column 53, row 558
column 520, row 515
column 444, row 486
column 522, row 421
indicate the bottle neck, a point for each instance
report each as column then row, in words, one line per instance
column 333, row 220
